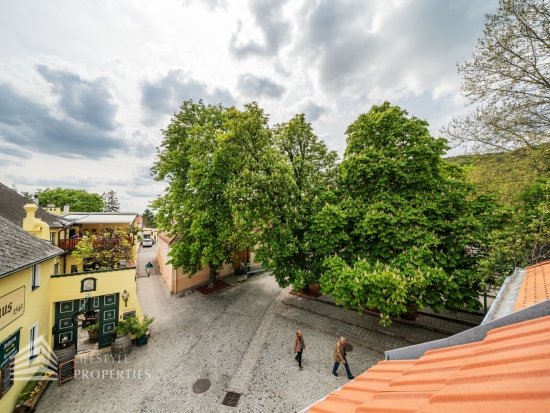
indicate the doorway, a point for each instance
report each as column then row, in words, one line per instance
column 67, row 312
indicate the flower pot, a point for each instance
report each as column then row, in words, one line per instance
column 121, row 344
column 93, row 335
column 242, row 277
column 141, row 341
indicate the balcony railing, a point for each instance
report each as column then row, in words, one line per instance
column 70, row 244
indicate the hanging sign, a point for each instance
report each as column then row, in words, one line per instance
column 12, row 306
column 9, row 348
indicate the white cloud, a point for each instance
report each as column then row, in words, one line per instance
column 86, row 86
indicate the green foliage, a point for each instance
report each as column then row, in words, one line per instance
column 110, row 202
column 78, row 199
column 524, row 237
column 508, row 79
column 505, row 175
column 103, row 250
column 29, row 390
column 287, row 243
column 397, row 231
column 122, row 328
column 148, row 219
column 93, row 327
column 203, row 157
column 139, row 328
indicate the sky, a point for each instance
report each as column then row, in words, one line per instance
column 87, row 86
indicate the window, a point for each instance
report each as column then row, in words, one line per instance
column 52, row 237
column 35, row 277
column 56, row 269
column 74, row 268
column 33, row 342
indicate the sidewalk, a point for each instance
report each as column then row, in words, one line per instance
column 365, row 329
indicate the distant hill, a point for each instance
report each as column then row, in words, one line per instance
column 461, row 160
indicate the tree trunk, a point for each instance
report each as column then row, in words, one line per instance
column 211, row 276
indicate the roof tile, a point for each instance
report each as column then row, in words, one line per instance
column 535, row 287
column 509, row 371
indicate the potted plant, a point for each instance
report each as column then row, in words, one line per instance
column 93, row 331
column 140, row 328
column 122, row 342
column 32, row 392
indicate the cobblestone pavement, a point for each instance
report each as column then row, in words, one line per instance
column 239, row 338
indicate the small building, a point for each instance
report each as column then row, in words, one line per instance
column 178, row 281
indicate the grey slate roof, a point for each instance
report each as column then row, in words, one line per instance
column 19, row 249
column 11, row 208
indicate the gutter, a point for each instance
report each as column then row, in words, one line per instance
column 497, row 298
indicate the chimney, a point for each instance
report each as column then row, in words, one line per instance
column 33, row 225
column 66, row 208
column 36, row 199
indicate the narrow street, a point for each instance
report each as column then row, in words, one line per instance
column 239, row 339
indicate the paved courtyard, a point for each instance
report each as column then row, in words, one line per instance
column 239, row 338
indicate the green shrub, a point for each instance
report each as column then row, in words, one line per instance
column 139, row 328
column 93, row 327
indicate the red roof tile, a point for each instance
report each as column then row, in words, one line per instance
column 164, row 236
column 535, row 287
column 509, row 371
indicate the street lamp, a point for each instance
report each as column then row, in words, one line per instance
column 125, row 296
column 148, row 268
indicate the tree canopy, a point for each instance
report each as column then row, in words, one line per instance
column 401, row 222
column 287, row 243
column 110, row 202
column 78, row 199
column 508, row 79
column 103, row 250
column 148, row 218
column 206, row 157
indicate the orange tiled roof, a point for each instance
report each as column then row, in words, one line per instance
column 509, row 371
column 164, row 236
column 535, row 287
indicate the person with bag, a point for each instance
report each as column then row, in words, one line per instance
column 340, row 357
column 299, row 346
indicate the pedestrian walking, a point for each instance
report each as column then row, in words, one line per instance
column 299, row 347
column 340, row 357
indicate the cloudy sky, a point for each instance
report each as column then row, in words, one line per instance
column 86, row 86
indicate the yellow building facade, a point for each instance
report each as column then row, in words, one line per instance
column 40, row 305
column 25, row 306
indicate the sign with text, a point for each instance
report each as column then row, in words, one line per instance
column 6, row 378
column 9, row 348
column 12, row 306
column 65, row 371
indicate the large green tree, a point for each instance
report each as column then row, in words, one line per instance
column 402, row 221
column 287, row 244
column 148, row 219
column 209, row 156
column 78, row 199
column 110, row 201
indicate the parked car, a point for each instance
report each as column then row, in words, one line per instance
column 147, row 242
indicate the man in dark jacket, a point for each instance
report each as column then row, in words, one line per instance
column 340, row 357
